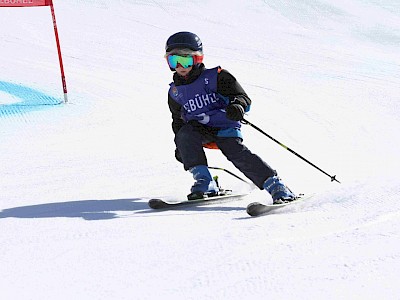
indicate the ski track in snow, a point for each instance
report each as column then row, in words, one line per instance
column 75, row 178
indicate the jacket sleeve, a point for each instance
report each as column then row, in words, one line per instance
column 228, row 86
column 175, row 108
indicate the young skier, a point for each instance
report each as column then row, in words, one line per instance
column 207, row 106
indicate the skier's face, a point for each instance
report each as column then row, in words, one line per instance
column 183, row 71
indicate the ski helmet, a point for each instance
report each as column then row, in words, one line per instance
column 184, row 39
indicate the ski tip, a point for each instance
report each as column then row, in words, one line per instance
column 252, row 208
column 156, row 203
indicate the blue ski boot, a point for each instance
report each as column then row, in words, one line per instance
column 280, row 193
column 205, row 185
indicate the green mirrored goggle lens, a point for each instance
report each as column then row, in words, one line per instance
column 184, row 61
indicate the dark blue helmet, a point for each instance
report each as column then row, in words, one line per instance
column 185, row 40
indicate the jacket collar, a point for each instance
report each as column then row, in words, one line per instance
column 189, row 78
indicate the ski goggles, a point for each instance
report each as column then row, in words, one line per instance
column 184, row 61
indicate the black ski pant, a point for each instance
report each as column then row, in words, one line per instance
column 189, row 142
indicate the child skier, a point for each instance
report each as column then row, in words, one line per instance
column 207, row 106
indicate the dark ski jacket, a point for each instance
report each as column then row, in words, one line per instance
column 200, row 98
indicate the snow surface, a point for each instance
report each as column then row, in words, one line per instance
column 75, row 179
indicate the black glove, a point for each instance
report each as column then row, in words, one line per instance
column 203, row 129
column 235, row 112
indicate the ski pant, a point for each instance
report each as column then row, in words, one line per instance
column 189, row 143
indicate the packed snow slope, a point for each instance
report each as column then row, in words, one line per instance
column 75, row 178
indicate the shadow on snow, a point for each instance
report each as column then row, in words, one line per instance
column 86, row 209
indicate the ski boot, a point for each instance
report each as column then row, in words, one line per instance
column 204, row 186
column 280, row 193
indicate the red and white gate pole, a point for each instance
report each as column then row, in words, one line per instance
column 30, row 3
column 64, row 83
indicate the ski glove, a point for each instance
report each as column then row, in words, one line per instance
column 235, row 112
column 203, row 129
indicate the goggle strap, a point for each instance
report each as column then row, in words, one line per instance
column 198, row 59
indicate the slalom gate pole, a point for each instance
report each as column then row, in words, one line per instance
column 31, row 3
column 333, row 178
column 64, row 84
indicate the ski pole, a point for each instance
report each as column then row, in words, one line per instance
column 230, row 173
column 333, row 178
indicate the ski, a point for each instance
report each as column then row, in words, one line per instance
column 157, row 203
column 256, row 209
